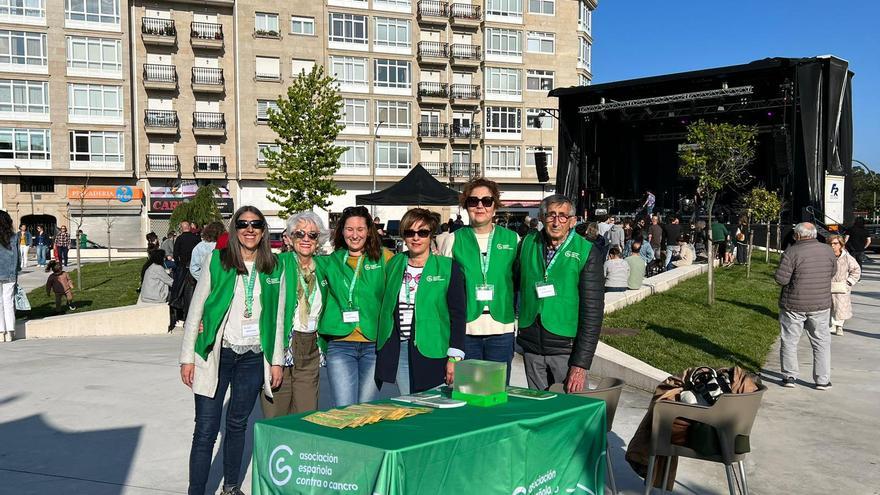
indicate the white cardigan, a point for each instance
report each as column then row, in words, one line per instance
column 207, row 370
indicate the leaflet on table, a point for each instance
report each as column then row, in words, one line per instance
column 428, row 394
column 527, row 393
column 441, row 403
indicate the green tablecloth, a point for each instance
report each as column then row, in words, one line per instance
column 524, row 447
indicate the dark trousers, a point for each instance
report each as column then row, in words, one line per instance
column 858, row 255
column 244, row 372
column 62, row 254
column 498, row 348
column 299, row 386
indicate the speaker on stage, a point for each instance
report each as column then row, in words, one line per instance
column 781, row 154
column 541, row 166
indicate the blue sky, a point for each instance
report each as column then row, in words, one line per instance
column 636, row 38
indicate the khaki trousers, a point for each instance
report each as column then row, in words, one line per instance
column 299, row 386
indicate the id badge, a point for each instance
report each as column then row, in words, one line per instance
column 545, row 290
column 351, row 316
column 485, row 292
column 312, row 325
column 250, row 328
column 406, row 317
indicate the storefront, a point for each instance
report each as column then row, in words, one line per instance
column 108, row 215
column 164, row 199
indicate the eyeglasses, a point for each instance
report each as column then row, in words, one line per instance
column 301, row 234
column 835, row 242
column 357, row 210
column 256, row 224
column 423, row 233
column 473, row 201
column 552, row 217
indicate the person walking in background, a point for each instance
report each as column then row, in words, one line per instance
column 201, row 253
column 59, row 283
column 82, row 239
column 655, row 235
column 590, row 232
column 156, row 281
column 184, row 283
column 41, row 242
column 671, row 233
column 857, row 240
column 616, row 272
column 650, row 200
column 805, row 273
column 847, row 275
column 742, row 249
column 62, row 244
column 24, row 245
column 167, row 245
column 637, row 267
column 615, row 235
column 9, row 267
column 719, row 241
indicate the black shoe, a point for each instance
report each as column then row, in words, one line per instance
column 788, row 382
column 823, row 386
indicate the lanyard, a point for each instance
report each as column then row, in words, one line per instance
column 354, row 279
column 557, row 254
column 484, row 260
column 248, row 283
column 305, row 286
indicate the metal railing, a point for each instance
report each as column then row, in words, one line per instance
column 207, row 76
column 465, row 91
column 435, row 168
column 465, row 11
column 160, row 73
column 433, row 89
column 158, row 27
column 433, row 129
column 161, row 118
column 206, row 31
column 162, row 163
column 464, row 169
column 465, row 52
column 433, row 8
column 464, row 131
column 433, row 49
column 209, row 163
column 209, row 120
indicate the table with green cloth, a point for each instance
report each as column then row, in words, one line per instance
column 523, row 447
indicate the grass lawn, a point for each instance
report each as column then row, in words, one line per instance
column 103, row 287
column 678, row 330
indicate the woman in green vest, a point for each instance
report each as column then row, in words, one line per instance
column 232, row 339
column 422, row 324
column 356, row 281
column 486, row 253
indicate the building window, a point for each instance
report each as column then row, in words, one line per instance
column 94, row 100
column 36, row 184
column 355, row 155
column 394, row 114
column 392, row 32
column 268, row 68
column 393, row 155
column 504, row 8
column 349, row 70
column 397, row 5
column 23, row 8
column 262, row 148
column 585, row 17
column 538, row 42
column 93, row 55
column 502, row 159
column 23, row 48
column 583, row 80
column 348, row 28
column 24, row 144
column 547, row 7
column 532, row 150
column 103, row 11
column 302, row 25
column 504, row 120
column 263, row 107
column 354, row 113
column 266, row 24
column 392, row 73
column 539, row 80
column 298, row 66
column 504, row 42
column 538, row 118
column 96, row 146
column 24, row 97
column 583, row 61
column 503, row 81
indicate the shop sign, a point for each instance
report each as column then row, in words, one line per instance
column 164, row 206
column 123, row 194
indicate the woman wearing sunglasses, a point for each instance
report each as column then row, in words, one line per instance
column 356, row 281
column 486, row 253
column 232, row 338
column 422, row 324
column 306, row 289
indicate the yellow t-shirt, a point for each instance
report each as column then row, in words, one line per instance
column 356, row 335
column 22, row 239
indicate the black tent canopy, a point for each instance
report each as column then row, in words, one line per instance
column 418, row 188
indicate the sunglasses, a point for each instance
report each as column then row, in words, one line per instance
column 256, row 224
column 301, row 234
column 423, row 233
column 473, row 201
column 357, row 210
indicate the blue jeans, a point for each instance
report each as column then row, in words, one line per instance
column 41, row 255
column 245, row 373
column 351, row 367
column 403, row 368
column 62, row 254
column 498, row 348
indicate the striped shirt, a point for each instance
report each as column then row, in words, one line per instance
column 407, row 299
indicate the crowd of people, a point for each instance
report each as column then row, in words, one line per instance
column 46, row 246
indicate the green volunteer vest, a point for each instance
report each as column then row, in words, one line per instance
column 367, row 296
column 431, row 317
column 217, row 305
column 561, row 317
column 291, row 282
column 466, row 252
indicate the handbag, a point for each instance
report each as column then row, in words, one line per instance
column 21, row 300
column 838, row 288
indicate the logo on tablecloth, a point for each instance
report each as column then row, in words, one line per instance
column 276, row 466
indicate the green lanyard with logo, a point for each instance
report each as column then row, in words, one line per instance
column 484, row 260
column 485, row 292
column 305, row 286
column 354, row 280
column 545, row 289
column 248, row 283
column 557, row 254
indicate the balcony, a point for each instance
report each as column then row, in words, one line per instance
column 207, row 80
column 465, row 132
column 209, row 164
column 433, row 132
column 463, row 170
column 433, row 52
column 209, row 124
column 163, row 163
column 206, row 35
column 465, row 55
column 155, row 31
column 433, row 92
column 432, row 12
column 160, row 77
column 267, row 33
column 465, row 15
column 161, row 122
column 435, row 168
column 464, row 94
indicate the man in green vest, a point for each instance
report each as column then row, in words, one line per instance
column 562, row 299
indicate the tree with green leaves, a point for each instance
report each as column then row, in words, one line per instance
column 866, row 187
column 764, row 207
column 301, row 170
column 201, row 209
column 719, row 157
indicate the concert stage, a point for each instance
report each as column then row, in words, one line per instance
column 621, row 138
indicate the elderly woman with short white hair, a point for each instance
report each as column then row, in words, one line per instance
column 303, row 305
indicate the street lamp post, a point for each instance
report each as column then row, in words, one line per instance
column 474, row 111
column 376, row 136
